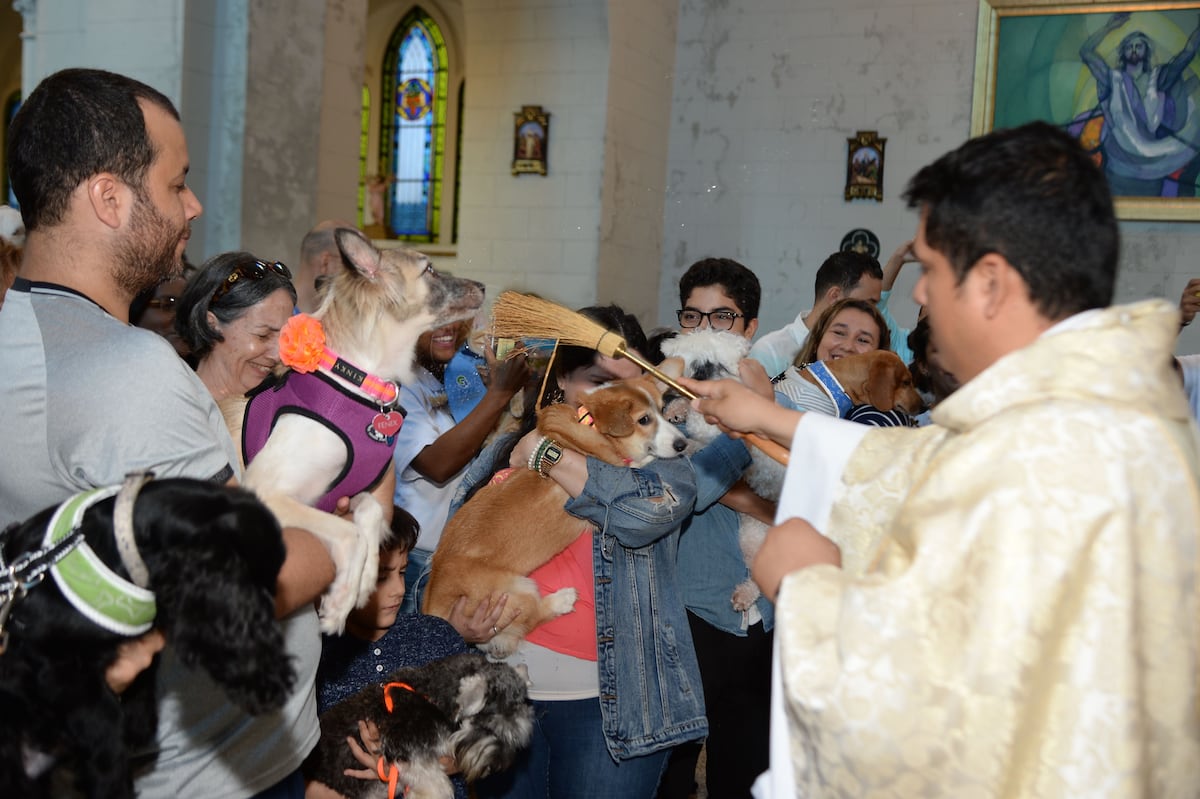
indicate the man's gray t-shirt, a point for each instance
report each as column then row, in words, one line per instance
column 85, row 398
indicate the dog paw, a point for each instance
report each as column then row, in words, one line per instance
column 335, row 607
column 372, row 530
column 561, row 601
column 341, row 597
column 745, row 595
column 501, row 645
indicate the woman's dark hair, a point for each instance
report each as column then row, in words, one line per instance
column 566, row 360
column 232, row 301
column 808, row 353
column 569, row 357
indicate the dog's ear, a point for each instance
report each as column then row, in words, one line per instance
column 613, row 414
column 472, row 695
column 357, row 251
column 882, row 379
column 214, row 555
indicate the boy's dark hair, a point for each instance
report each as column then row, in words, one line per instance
column 1032, row 195
column 736, row 280
column 845, row 269
column 78, row 123
column 405, row 530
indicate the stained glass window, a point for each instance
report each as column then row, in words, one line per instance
column 413, row 136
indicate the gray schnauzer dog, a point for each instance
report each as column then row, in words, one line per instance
column 463, row 706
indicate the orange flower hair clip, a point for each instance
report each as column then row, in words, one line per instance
column 302, row 343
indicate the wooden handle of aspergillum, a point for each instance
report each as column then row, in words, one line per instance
column 770, row 448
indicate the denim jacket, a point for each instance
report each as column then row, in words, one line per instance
column 651, row 696
column 650, row 691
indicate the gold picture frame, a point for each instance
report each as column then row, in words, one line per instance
column 864, row 166
column 531, row 140
column 1079, row 65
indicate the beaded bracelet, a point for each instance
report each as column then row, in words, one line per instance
column 535, row 456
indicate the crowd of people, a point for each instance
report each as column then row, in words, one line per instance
column 996, row 596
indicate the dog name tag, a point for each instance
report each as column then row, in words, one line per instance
column 385, row 426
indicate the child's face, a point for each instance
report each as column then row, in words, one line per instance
column 373, row 619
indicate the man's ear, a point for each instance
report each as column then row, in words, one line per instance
column 108, row 197
column 992, row 283
column 751, row 328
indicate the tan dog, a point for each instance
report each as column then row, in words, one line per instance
column 510, row 528
column 372, row 313
column 876, row 378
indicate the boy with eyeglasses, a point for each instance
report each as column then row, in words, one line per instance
column 733, row 648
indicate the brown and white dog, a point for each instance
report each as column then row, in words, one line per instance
column 877, row 378
column 371, row 313
column 510, row 528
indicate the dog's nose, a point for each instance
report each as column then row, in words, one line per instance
column 680, row 444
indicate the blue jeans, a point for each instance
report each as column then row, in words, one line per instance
column 416, row 577
column 567, row 759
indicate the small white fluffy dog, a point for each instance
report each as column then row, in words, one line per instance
column 711, row 355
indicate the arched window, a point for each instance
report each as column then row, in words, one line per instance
column 412, row 143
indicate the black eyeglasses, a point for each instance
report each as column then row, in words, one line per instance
column 717, row 320
column 252, row 271
column 166, row 303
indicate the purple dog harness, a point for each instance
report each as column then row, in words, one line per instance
column 350, row 416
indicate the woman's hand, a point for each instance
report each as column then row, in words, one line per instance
column 519, row 459
column 508, row 376
column 484, row 622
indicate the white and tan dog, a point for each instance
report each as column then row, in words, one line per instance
column 371, row 314
column 713, row 355
column 510, row 528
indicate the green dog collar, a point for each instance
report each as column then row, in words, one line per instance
column 95, row 590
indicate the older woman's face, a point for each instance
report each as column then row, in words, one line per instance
column 851, row 332
column 251, row 346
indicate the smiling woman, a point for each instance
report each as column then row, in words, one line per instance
column 230, row 315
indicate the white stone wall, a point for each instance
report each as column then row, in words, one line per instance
column 767, row 93
column 637, row 128
column 529, row 232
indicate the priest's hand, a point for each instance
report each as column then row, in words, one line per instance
column 791, row 546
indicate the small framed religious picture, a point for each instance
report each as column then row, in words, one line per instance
column 530, row 140
column 864, row 166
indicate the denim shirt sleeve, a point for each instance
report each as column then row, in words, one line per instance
column 718, row 466
column 637, row 506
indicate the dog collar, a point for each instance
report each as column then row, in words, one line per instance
column 384, row 391
column 95, row 590
column 830, row 385
column 302, row 347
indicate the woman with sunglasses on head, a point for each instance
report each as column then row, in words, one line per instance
column 230, row 315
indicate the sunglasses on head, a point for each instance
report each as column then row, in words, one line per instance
column 251, row 271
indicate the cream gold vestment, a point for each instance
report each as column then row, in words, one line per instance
column 1019, row 613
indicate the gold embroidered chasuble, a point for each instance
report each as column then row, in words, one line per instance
column 1018, row 615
